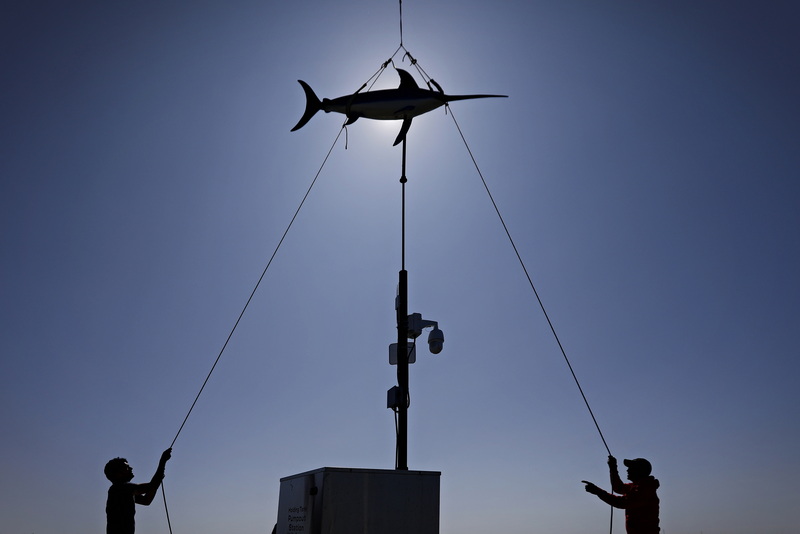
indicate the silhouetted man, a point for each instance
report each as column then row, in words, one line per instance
column 123, row 495
column 638, row 499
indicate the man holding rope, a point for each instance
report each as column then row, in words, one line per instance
column 123, row 495
column 638, row 499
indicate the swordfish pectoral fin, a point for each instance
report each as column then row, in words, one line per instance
column 403, row 131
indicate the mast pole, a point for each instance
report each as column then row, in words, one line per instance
column 402, row 335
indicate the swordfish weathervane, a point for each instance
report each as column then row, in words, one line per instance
column 403, row 103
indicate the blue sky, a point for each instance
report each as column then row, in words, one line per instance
column 645, row 163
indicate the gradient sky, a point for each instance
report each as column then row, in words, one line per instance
column 646, row 163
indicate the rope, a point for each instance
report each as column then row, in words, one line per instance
column 244, row 309
column 264, row 272
column 530, row 282
column 538, row 298
column 166, row 508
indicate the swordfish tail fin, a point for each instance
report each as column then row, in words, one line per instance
column 312, row 106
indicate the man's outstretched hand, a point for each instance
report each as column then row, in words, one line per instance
column 591, row 488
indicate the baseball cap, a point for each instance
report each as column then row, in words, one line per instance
column 640, row 464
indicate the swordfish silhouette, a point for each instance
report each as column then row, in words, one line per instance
column 405, row 102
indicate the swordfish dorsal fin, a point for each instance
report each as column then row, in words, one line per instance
column 406, row 80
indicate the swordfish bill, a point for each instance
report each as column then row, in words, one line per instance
column 403, row 103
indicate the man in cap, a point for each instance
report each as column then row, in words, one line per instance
column 638, row 499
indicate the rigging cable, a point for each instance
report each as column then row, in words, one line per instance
column 244, row 309
column 530, row 282
column 166, row 509
column 429, row 80
column 536, row 293
column 264, row 272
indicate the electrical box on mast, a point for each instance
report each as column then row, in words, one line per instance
column 412, row 354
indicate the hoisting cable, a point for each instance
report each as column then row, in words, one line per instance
column 244, row 309
column 401, row 22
